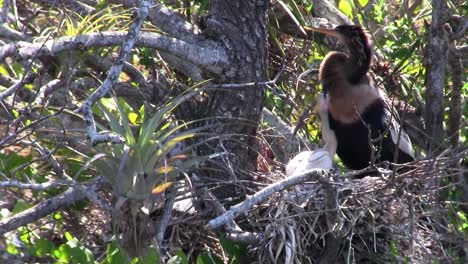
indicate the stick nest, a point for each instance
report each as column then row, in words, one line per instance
column 386, row 218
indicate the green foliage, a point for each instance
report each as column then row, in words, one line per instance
column 105, row 19
column 346, row 6
column 233, row 250
column 208, row 258
column 14, row 165
column 144, row 162
column 115, row 255
column 178, row 258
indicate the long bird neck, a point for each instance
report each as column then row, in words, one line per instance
column 358, row 61
column 328, row 135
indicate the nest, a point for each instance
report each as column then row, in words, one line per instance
column 392, row 217
column 371, row 216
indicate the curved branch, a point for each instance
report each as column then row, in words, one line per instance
column 206, row 54
column 323, row 8
column 72, row 195
column 262, row 195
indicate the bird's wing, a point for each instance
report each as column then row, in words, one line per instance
column 397, row 133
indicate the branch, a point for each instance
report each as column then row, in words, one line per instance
column 165, row 218
column 167, row 21
column 262, row 195
column 18, row 85
column 324, row 8
column 8, row 50
column 283, row 141
column 112, row 77
column 46, row 90
column 206, row 54
column 72, row 195
column 4, row 12
column 11, row 34
column 32, row 186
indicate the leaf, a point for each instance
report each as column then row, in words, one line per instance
column 114, row 254
column 208, row 258
column 346, row 7
column 179, row 258
column 232, row 249
column 43, row 247
column 363, row 3
column 68, row 236
column 161, row 188
column 151, row 256
column 133, row 117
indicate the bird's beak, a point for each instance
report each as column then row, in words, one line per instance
column 326, row 31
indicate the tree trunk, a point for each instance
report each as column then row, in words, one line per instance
column 436, row 61
column 240, row 26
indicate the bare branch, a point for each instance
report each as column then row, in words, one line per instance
column 4, row 12
column 206, row 54
column 33, row 186
column 165, row 218
column 48, row 89
column 18, row 85
column 8, row 50
column 167, row 21
column 112, row 77
column 324, row 8
column 72, row 195
column 11, row 34
column 262, row 195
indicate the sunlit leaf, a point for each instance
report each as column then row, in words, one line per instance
column 43, row 247
column 346, row 7
column 363, row 3
column 114, row 254
column 161, row 188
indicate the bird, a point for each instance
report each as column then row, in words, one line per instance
column 366, row 126
column 321, row 158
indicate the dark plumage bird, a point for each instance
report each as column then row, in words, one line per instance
column 365, row 124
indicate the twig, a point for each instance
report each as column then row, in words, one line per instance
column 165, row 218
column 11, row 34
column 4, row 12
column 18, row 85
column 262, row 195
column 44, row 91
column 72, row 195
column 33, row 186
column 112, row 77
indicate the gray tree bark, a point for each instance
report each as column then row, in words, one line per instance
column 241, row 28
column 436, row 61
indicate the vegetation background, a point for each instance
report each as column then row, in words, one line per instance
column 114, row 114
